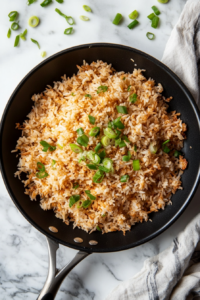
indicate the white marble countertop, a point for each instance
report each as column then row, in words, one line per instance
column 23, row 250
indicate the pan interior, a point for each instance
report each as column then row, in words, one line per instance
column 65, row 63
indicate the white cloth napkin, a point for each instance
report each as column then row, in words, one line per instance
column 175, row 273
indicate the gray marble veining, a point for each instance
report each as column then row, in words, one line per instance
column 23, row 250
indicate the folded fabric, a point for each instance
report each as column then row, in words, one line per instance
column 175, row 273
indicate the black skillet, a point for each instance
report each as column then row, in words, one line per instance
column 19, row 105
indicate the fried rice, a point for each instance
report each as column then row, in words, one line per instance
column 56, row 115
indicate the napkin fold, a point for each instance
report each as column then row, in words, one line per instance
column 175, row 273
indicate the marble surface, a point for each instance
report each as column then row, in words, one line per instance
column 23, row 250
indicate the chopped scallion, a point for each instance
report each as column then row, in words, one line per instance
column 153, row 148
column 80, row 131
column 43, row 53
column 87, row 8
column 110, row 133
column 102, row 89
column 98, row 228
column 117, row 19
column 84, row 18
column 135, row 148
column 29, row 2
column 73, row 199
column 129, row 88
column 36, row 42
column 124, row 178
column 23, row 35
column 118, row 123
column 106, row 141
column 88, row 96
column 75, row 148
column 151, row 16
column 91, row 119
column 155, row 22
column 133, row 24
column 13, row 15
column 53, row 164
column 33, row 21
column 92, row 167
column 166, row 142
column 98, row 176
column 46, row 146
column 122, row 109
column 42, row 172
column 69, row 19
column 127, row 158
column 16, row 43
column 68, row 31
column 177, row 153
column 102, row 154
column 98, row 147
column 150, row 36
column 136, row 165
column 133, row 98
column 75, row 186
column 45, row 3
column 86, row 203
column 73, row 94
column 156, row 10
column 124, row 137
column 166, row 149
column 9, row 33
column 60, row 1
column 133, row 15
column 90, row 196
column 94, row 131
column 163, row 1
column 15, row 26
column 83, row 140
column 108, row 163
column 104, row 169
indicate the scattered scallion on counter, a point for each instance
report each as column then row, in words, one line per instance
column 16, row 43
column 86, row 203
column 133, row 15
column 127, row 157
column 124, row 178
column 117, row 19
column 13, row 15
column 43, row 53
column 155, row 22
column 122, row 109
column 150, row 36
column 133, row 98
column 133, row 24
column 98, row 228
column 87, row 8
column 60, row 1
column 177, row 153
column 9, row 33
column 36, row 42
column 68, row 31
column 46, row 146
column 75, row 186
column 90, row 196
column 136, row 165
column 15, row 26
column 53, row 164
column 102, row 89
column 73, row 199
column 163, row 1
column 156, row 10
column 23, row 35
column 91, row 119
column 29, row 2
column 94, row 131
column 75, row 148
column 98, row 147
column 151, row 16
column 84, row 18
column 88, row 96
column 69, row 19
column 45, row 3
column 33, row 21
column 83, row 140
column 42, row 172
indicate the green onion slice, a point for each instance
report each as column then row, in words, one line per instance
column 129, row 88
column 73, row 94
column 127, row 158
column 43, row 53
column 75, row 185
column 102, row 89
column 40, row 167
column 118, row 123
column 23, row 35
column 133, row 98
column 94, row 131
column 9, row 33
column 33, row 21
column 53, row 164
column 69, row 19
column 60, row 1
column 92, row 167
column 166, row 149
column 122, row 144
column 106, row 141
column 87, row 8
column 91, row 119
column 80, row 131
column 110, row 133
column 133, row 24
column 135, row 148
column 42, row 172
column 167, row 141
column 86, row 203
column 45, row 3
column 16, row 43
column 29, row 2
column 36, row 42
column 133, row 15
column 122, row 109
column 151, row 16
column 153, row 148
column 98, row 176
column 117, row 19
column 155, row 22
column 177, row 153
column 104, row 169
column 47, row 146
column 156, row 10
column 136, row 165
column 125, row 138
column 93, row 157
column 75, row 148
column 73, row 199
column 84, row 18
column 98, row 147
column 163, row 1
column 15, row 26
column 13, row 15
column 61, row 147
column 88, row 96
column 90, row 196
column 150, row 36
column 102, row 154
column 83, row 140
column 98, row 228
column 68, row 31
column 124, row 178
column 108, row 163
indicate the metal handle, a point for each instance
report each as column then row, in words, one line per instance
column 56, row 277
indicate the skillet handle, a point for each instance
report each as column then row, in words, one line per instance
column 56, row 277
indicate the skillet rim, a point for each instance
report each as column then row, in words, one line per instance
column 11, row 194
